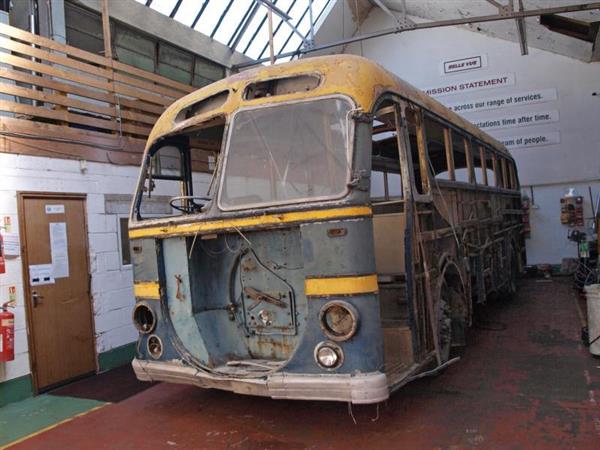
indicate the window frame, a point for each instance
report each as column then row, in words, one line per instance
column 393, row 109
column 466, row 142
column 120, row 232
column 448, row 155
column 351, row 141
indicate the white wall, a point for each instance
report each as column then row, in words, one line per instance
column 416, row 56
column 112, row 283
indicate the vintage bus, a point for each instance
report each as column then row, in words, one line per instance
column 349, row 226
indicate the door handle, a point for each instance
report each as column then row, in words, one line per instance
column 36, row 298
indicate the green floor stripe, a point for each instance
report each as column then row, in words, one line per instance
column 116, row 357
column 15, row 390
column 22, row 418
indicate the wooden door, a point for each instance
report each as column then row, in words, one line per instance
column 57, row 294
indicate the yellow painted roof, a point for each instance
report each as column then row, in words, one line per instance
column 359, row 78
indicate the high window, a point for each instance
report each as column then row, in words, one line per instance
column 138, row 49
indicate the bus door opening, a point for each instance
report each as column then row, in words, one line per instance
column 389, row 227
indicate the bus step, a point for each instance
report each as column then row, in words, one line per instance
column 398, row 349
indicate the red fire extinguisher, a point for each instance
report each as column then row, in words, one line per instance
column 2, row 266
column 7, row 333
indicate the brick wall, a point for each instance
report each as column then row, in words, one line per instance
column 112, row 293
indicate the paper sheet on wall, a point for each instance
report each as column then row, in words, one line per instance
column 12, row 244
column 59, row 249
column 40, row 274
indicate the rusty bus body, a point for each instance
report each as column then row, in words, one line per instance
column 351, row 224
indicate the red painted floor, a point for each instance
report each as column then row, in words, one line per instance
column 525, row 382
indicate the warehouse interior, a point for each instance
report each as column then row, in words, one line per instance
column 104, row 242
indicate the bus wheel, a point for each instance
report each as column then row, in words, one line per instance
column 444, row 325
column 451, row 318
column 510, row 288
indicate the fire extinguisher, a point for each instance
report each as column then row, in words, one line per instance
column 2, row 266
column 7, row 333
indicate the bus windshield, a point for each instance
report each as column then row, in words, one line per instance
column 287, row 153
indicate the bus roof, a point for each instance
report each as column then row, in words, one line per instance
column 359, row 78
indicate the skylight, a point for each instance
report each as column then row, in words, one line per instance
column 242, row 24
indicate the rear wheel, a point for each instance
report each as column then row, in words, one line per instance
column 509, row 289
column 452, row 317
column 444, row 325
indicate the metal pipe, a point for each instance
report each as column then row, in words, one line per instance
column 521, row 31
column 312, row 23
column 287, row 19
column 434, row 24
column 271, row 48
column 277, row 28
column 241, row 28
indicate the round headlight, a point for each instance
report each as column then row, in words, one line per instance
column 143, row 318
column 155, row 348
column 329, row 355
column 339, row 320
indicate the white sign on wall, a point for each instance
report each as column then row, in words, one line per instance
column 55, row 209
column 12, row 244
column 463, row 64
column 475, row 84
column 517, row 120
column 503, row 101
column 531, row 140
column 59, row 249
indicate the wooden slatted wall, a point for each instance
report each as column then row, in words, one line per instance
column 85, row 105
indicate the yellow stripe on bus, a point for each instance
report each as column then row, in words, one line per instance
column 361, row 284
column 243, row 222
column 146, row 289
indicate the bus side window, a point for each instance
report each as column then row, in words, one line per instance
column 165, row 178
column 489, row 166
column 478, row 162
column 513, row 177
column 460, row 156
column 500, row 172
column 378, row 186
column 386, row 181
column 438, row 162
column 412, row 120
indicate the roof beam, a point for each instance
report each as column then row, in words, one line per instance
column 197, row 18
column 275, row 9
column 279, row 25
column 438, row 24
column 578, row 29
column 290, row 36
column 596, row 48
column 495, row 3
column 260, row 25
column 175, row 8
column 214, row 31
column 316, row 20
column 522, row 31
column 243, row 26
column 386, row 10
column 285, row 17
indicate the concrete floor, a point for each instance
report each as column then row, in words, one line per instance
column 525, row 382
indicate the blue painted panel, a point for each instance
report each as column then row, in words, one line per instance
column 342, row 255
column 181, row 309
column 363, row 352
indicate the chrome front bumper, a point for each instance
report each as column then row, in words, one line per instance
column 359, row 389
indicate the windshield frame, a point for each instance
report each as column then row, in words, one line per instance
column 350, row 139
